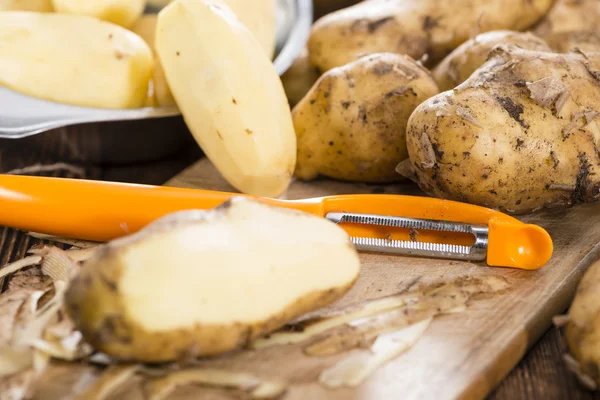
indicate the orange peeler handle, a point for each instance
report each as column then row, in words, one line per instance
column 102, row 211
column 93, row 210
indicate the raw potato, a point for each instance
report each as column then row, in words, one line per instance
column 520, row 134
column 414, row 27
column 229, row 94
column 146, row 28
column 26, row 5
column 583, row 325
column 90, row 62
column 469, row 56
column 121, row 12
column 571, row 24
column 351, row 125
column 232, row 274
column 299, row 78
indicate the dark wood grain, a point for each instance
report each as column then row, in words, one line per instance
column 540, row 375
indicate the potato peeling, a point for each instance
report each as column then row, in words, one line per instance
column 361, row 324
column 159, row 389
column 355, row 368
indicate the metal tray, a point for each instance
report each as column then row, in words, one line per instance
column 83, row 135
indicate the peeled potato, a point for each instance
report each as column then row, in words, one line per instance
column 26, row 5
column 207, row 282
column 229, row 94
column 73, row 59
column 161, row 94
column 121, row 12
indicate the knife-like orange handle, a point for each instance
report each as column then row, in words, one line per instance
column 102, row 211
column 92, row 210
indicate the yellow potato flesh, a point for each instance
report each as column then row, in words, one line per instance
column 229, row 94
column 74, row 60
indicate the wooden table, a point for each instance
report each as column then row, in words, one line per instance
column 540, row 375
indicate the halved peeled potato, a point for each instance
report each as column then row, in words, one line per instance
column 207, row 282
column 74, row 60
column 121, row 12
column 229, row 94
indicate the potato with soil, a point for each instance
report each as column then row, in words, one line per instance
column 462, row 62
column 414, row 27
column 201, row 283
column 582, row 330
column 519, row 135
column 571, row 24
column 351, row 125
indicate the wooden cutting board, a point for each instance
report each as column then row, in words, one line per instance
column 460, row 356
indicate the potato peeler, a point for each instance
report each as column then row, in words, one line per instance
column 385, row 223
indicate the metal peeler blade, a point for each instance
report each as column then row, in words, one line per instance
column 476, row 252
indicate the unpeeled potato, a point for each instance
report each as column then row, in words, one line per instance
column 351, row 125
column 463, row 61
column 207, row 282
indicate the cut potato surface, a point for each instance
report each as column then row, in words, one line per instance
column 207, row 282
column 121, row 12
column 73, row 59
column 229, row 94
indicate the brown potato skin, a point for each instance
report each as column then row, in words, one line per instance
column 351, row 125
column 583, row 327
column 464, row 60
column 571, row 24
column 414, row 27
column 514, row 154
column 299, row 78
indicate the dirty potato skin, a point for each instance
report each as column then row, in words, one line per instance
column 519, row 135
column 351, row 125
column 570, row 24
column 583, row 327
column 463, row 61
column 414, row 27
